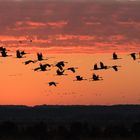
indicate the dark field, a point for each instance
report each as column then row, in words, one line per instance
column 70, row 122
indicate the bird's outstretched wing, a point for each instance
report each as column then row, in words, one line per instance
column 29, row 61
column 47, row 65
column 36, row 68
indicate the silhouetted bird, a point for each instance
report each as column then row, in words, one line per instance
column 43, row 67
column 19, row 54
column 52, row 83
column 60, row 64
column 115, row 56
column 39, row 56
column 23, row 53
column 60, row 72
column 102, row 66
column 96, row 77
column 2, row 49
column 72, row 69
column 29, row 61
column 3, row 52
column 79, row 78
column 133, row 55
column 115, row 67
column 95, row 67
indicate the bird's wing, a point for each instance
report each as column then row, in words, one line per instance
column 36, row 68
column 47, row 65
column 115, row 68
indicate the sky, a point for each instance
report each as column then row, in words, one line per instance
column 80, row 32
column 98, row 25
column 21, row 85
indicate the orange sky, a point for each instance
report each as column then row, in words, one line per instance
column 21, row 85
column 82, row 32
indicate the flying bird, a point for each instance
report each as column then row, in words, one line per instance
column 52, row 83
column 39, row 56
column 96, row 77
column 133, row 55
column 2, row 49
column 95, row 67
column 19, row 54
column 102, row 66
column 60, row 64
column 115, row 56
column 3, row 52
column 28, row 62
column 79, row 78
column 42, row 67
column 72, row 69
column 115, row 67
column 23, row 53
column 59, row 72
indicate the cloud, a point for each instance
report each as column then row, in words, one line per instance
column 72, row 23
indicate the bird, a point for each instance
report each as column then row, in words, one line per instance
column 3, row 51
column 133, row 55
column 79, row 78
column 96, row 77
column 23, row 53
column 60, row 72
column 52, row 83
column 2, row 48
column 115, row 67
column 36, row 69
column 39, row 56
column 95, row 67
column 28, row 62
column 60, row 64
column 115, row 56
column 42, row 67
column 19, row 54
column 72, row 69
column 102, row 66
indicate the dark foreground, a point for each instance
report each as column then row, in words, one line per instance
column 70, row 122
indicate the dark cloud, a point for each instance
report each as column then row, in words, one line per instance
column 110, row 21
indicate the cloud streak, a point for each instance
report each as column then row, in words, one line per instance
column 72, row 23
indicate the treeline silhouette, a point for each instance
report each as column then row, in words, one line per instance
column 68, row 131
column 57, row 113
column 70, row 122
